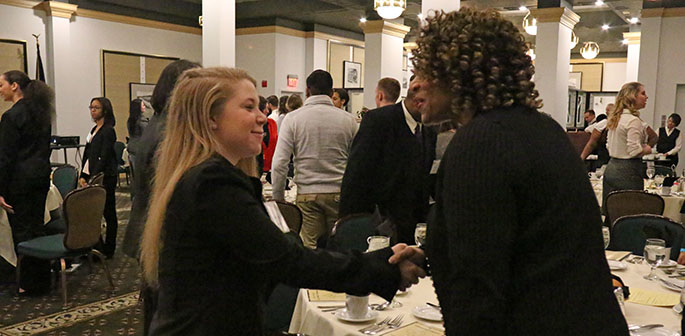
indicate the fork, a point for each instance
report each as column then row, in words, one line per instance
column 374, row 326
column 396, row 322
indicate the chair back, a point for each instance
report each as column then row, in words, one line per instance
column 663, row 171
column 119, row 152
column 630, row 232
column 292, row 215
column 98, row 179
column 351, row 232
column 632, row 202
column 578, row 140
column 65, row 179
column 83, row 209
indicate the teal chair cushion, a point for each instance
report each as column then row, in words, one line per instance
column 48, row 247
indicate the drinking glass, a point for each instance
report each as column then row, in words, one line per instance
column 607, row 236
column 420, row 234
column 654, row 253
column 650, row 172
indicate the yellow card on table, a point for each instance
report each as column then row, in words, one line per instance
column 651, row 298
column 416, row 329
column 616, row 255
column 316, row 295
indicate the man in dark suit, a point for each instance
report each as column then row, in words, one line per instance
column 388, row 167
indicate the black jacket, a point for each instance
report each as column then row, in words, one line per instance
column 515, row 244
column 100, row 152
column 144, row 164
column 24, row 151
column 388, row 168
column 220, row 253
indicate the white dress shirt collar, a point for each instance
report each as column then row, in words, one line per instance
column 409, row 119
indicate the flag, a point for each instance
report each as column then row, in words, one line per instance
column 40, row 74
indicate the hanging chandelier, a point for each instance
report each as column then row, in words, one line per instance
column 390, row 9
column 574, row 39
column 530, row 24
column 589, row 50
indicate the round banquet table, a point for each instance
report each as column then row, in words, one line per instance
column 311, row 320
column 52, row 202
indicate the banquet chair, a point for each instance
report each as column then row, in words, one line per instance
column 97, row 180
column 351, row 232
column 632, row 202
column 82, row 210
column 630, row 232
column 65, row 178
column 292, row 215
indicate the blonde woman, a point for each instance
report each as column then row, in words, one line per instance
column 627, row 141
column 209, row 246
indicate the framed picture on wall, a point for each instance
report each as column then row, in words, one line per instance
column 142, row 91
column 352, row 75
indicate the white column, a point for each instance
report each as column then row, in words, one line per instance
column 648, row 70
column 552, row 47
column 316, row 54
column 633, row 63
column 446, row 5
column 384, row 48
column 58, row 65
column 218, row 33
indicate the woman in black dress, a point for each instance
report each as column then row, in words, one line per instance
column 99, row 157
column 209, row 245
column 25, row 168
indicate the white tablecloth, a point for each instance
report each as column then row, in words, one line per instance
column 52, row 202
column 672, row 203
column 310, row 320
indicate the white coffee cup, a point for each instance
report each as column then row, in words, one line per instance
column 357, row 306
column 377, row 243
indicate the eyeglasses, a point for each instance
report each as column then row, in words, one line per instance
column 95, row 107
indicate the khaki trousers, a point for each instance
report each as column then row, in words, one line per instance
column 319, row 213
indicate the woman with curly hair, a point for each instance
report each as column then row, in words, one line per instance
column 515, row 243
column 627, row 141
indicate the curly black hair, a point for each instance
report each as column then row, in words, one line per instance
column 479, row 57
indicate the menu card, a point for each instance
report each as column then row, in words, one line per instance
column 651, row 298
column 316, row 295
column 616, row 255
column 416, row 329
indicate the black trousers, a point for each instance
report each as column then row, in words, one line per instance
column 110, row 214
column 27, row 223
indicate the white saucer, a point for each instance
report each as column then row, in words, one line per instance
column 342, row 315
column 427, row 313
column 655, row 332
column 615, row 265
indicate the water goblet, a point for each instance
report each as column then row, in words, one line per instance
column 654, row 253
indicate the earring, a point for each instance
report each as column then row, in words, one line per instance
column 214, row 126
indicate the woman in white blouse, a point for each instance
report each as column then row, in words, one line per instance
column 627, row 141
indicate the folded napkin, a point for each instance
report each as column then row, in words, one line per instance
column 668, row 181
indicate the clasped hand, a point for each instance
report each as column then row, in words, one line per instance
column 408, row 259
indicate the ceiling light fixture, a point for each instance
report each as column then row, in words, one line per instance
column 633, row 20
column 362, row 20
column 530, row 24
column 624, row 41
column 523, row 8
column 605, row 27
column 390, row 9
column 589, row 50
column 599, row 3
column 574, row 39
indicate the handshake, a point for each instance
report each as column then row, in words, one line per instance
column 410, row 260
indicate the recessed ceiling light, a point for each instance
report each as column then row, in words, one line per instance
column 362, row 20
column 599, row 3
column 625, row 41
column 523, row 8
column 633, row 20
column 605, row 27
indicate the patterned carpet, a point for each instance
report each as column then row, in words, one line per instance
column 93, row 309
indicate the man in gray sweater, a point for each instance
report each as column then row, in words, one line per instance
column 318, row 136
